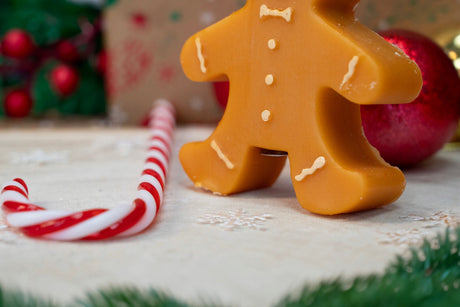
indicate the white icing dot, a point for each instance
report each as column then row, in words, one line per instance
column 269, row 79
column 266, row 115
column 272, row 44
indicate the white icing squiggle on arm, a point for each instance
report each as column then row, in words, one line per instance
column 199, row 50
column 351, row 70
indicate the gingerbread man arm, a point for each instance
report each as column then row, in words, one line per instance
column 389, row 74
column 375, row 72
column 206, row 55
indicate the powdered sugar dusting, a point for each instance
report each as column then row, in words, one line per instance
column 429, row 227
column 123, row 147
column 39, row 156
column 232, row 220
column 7, row 236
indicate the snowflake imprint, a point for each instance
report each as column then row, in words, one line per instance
column 431, row 226
column 236, row 219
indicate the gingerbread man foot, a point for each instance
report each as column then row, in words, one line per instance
column 228, row 168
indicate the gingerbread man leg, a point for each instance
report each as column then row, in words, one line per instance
column 325, row 187
column 228, row 166
column 341, row 172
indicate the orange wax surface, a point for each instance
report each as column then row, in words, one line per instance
column 298, row 71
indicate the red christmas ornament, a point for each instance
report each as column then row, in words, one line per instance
column 64, row 79
column 221, row 90
column 17, row 44
column 66, row 51
column 407, row 134
column 17, row 103
column 101, row 62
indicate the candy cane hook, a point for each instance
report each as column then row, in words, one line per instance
column 99, row 224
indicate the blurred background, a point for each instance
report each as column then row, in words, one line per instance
column 112, row 59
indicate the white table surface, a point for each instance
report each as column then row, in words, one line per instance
column 82, row 168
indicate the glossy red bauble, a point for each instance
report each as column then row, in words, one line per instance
column 17, row 44
column 17, row 103
column 67, row 52
column 64, row 79
column 221, row 90
column 407, row 134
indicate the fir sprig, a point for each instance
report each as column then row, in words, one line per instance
column 129, row 296
column 429, row 276
column 16, row 298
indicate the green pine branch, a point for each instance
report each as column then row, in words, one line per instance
column 430, row 276
column 17, row 298
column 129, row 296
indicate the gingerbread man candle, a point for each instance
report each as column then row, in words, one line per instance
column 298, row 71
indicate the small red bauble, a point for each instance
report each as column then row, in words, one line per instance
column 64, row 79
column 406, row 134
column 17, row 103
column 101, row 62
column 67, row 52
column 17, row 44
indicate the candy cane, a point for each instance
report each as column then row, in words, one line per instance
column 99, row 224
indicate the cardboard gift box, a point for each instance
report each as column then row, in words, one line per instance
column 143, row 43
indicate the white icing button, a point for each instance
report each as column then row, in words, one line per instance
column 266, row 115
column 272, row 44
column 269, row 79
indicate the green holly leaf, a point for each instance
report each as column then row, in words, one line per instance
column 43, row 95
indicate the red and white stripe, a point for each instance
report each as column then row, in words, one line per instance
column 99, row 224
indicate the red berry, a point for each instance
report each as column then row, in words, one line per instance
column 101, row 62
column 64, row 79
column 17, row 44
column 17, row 103
column 67, row 52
